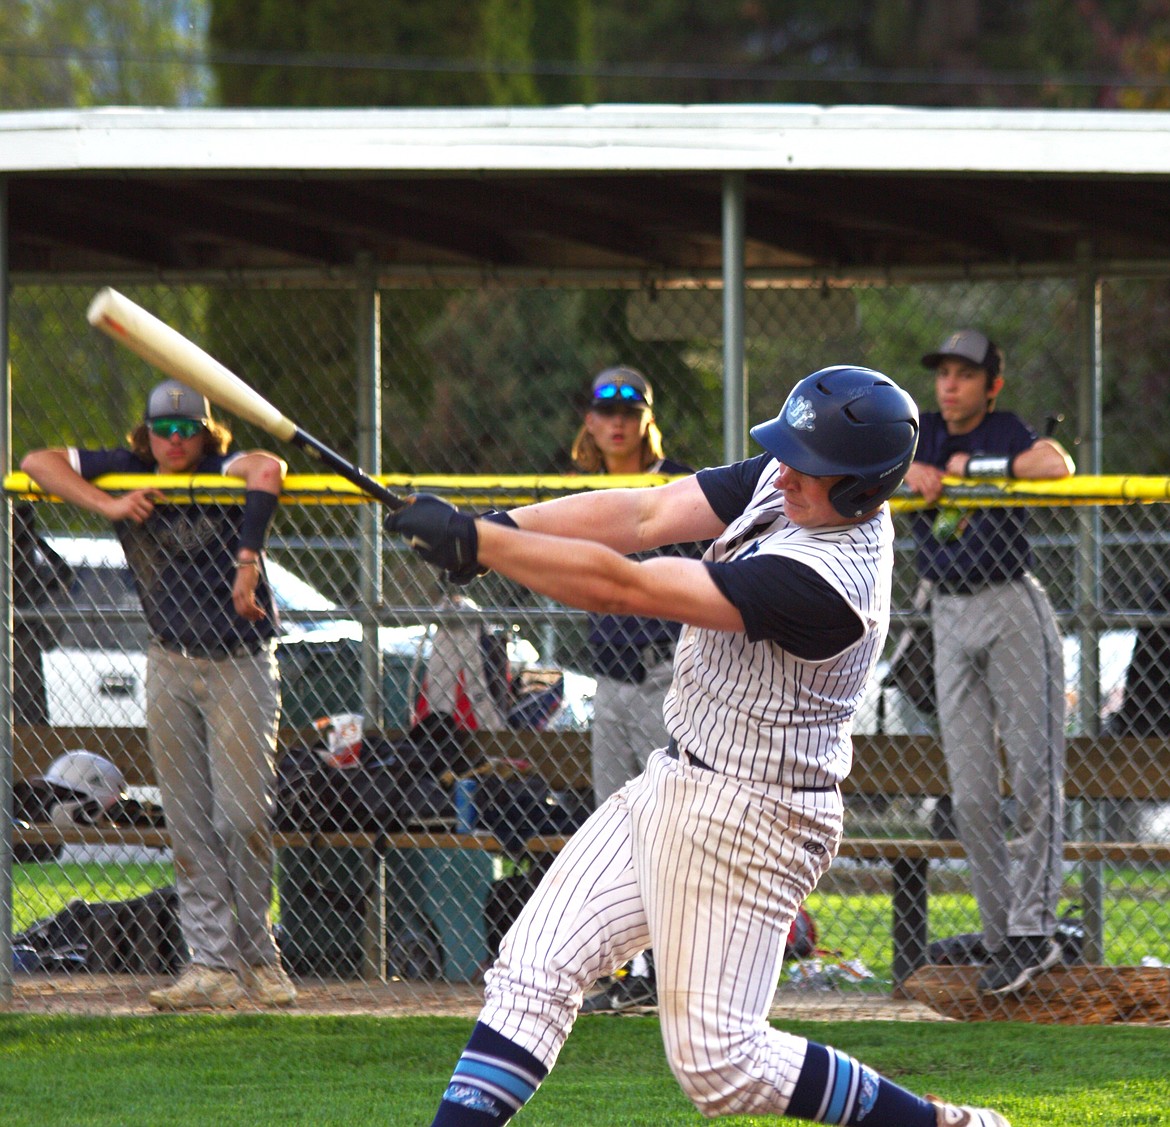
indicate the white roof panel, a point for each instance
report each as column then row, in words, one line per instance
column 618, row 138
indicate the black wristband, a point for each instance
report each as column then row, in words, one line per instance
column 498, row 516
column 989, row 465
column 259, row 507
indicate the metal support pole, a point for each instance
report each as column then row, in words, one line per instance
column 911, row 875
column 369, row 451
column 6, row 731
column 734, row 375
column 1089, row 577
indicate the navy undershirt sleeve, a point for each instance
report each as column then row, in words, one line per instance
column 786, row 602
column 729, row 489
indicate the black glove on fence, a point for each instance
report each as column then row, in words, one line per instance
column 437, row 531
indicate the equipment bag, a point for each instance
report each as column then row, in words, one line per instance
column 802, row 936
column 518, row 806
column 138, row 936
column 395, row 783
column 380, row 794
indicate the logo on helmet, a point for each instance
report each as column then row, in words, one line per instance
column 800, row 414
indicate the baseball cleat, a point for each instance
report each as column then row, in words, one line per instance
column 1020, row 959
column 269, row 985
column 951, row 1115
column 197, row 987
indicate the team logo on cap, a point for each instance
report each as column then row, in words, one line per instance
column 800, row 414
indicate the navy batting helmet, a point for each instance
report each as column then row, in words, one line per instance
column 849, row 421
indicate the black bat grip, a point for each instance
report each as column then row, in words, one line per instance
column 347, row 470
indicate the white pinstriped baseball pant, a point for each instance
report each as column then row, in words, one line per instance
column 710, row 872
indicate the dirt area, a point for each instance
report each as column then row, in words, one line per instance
column 126, row 994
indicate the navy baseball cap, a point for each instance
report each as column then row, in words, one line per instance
column 174, row 400
column 967, row 344
column 626, row 386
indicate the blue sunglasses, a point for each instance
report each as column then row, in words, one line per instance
column 624, row 392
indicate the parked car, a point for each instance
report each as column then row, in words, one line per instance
column 94, row 668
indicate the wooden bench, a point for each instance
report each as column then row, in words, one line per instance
column 1097, row 768
column 912, row 767
column 885, row 767
column 560, row 758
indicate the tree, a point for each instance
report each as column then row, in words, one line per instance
column 58, row 53
column 354, row 53
column 1006, row 53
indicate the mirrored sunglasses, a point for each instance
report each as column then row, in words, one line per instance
column 618, row 393
column 611, row 407
column 184, row 428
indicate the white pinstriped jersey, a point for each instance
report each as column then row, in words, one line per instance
column 754, row 711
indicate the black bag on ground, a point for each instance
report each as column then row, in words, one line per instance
column 137, row 936
column 374, row 796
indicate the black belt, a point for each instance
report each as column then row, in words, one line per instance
column 672, row 749
column 214, row 651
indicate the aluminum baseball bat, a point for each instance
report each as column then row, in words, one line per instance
column 168, row 350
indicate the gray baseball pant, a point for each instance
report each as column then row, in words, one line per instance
column 212, row 729
column 627, row 727
column 999, row 671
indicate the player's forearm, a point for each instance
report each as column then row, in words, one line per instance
column 628, row 520
column 51, row 470
column 260, row 471
column 1044, row 459
column 611, row 517
column 592, row 577
column 577, row 572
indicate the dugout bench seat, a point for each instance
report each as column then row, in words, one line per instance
column 885, row 766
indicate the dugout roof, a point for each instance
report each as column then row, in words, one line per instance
column 604, row 189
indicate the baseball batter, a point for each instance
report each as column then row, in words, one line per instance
column 709, row 852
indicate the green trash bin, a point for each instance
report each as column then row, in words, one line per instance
column 438, row 896
column 325, row 679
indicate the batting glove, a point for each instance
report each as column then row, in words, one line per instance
column 437, row 531
column 477, row 570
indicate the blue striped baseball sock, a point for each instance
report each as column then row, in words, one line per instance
column 835, row 1088
column 492, row 1081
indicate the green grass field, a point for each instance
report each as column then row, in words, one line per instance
column 350, row 1071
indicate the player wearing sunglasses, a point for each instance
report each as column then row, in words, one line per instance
column 631, row 655
column 212, row 685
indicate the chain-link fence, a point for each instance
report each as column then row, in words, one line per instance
column 476, row 704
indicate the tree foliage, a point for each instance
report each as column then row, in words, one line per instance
column 59, row 53
column 1006, row 53
column 444, row 53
